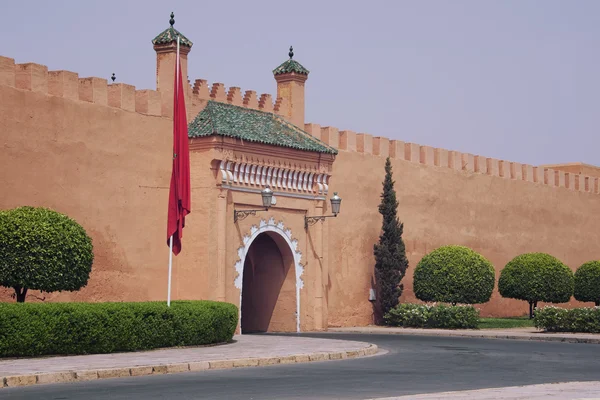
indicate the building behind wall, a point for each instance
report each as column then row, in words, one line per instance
column 101, row 153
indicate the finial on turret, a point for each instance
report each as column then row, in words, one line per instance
column 169, row 36
column 113, row 77
column 290, row 65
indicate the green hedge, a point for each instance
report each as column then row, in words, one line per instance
column 429, row 316
column 454, row 274
column 89, row 328
column 555, row 319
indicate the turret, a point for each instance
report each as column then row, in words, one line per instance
column 165, row 45
column 290, row 77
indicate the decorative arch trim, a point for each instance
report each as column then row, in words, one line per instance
column 280, row 229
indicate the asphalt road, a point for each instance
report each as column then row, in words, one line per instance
column 413, row 364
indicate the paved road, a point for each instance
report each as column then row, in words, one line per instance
column 413, row 364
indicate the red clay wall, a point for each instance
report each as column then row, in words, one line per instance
column 105, row 167
column 102, row 154
column 498, row 217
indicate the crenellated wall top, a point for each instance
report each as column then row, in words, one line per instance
column 67, row 84
column 202, row 92
column 559, row 176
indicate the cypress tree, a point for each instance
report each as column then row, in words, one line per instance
column 390, row 254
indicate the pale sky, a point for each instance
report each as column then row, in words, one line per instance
column 514, row 79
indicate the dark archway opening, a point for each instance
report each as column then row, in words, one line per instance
column 269, row 286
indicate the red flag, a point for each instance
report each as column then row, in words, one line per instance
column 180, row 201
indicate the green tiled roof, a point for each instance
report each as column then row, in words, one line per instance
column 254, row 126
column 290, row 66
column 169, row 35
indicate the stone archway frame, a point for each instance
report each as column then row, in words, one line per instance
column 286, row 234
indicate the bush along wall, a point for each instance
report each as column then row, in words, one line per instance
column 454, row 274
column 587, row 282
column 390, row 253
column 536, row 277
column 42, row 249
column 89, row 328
column 555, row 319
column 433, row 316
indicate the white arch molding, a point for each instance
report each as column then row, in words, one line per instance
column 286, row 234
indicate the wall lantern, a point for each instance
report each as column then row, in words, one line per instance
column 267, row 198
column 336, row 202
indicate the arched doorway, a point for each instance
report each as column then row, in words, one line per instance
column 269, row 292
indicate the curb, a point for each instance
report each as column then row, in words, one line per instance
column 160, row 369
column 546, row 338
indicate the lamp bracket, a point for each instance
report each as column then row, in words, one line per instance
column 309, row 221
column 239, row 215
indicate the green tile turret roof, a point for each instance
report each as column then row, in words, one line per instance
column 291, row 66
column 170, row 34
column 253, row 126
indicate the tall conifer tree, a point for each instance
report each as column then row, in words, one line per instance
column 390, row 255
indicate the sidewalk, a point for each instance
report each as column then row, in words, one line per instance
column 553, row 391
column 514, row 333
column 247, row 351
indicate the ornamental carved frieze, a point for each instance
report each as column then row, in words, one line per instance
column 282, row 178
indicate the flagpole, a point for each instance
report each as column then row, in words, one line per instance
column 170, row 267
column 171, row 240
column 178, row 66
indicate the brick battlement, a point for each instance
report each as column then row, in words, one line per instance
column 66, row 84
column 203, row 92
column 467, row 163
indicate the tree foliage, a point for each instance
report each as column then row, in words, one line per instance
column 390, row 254
column 536, row 277
column 42, row 249
column 587, row 282
column 454, row 274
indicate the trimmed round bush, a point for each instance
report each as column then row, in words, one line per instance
column 454, row 274
column 42, row 249
column 536, row 277
column 587, row 282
